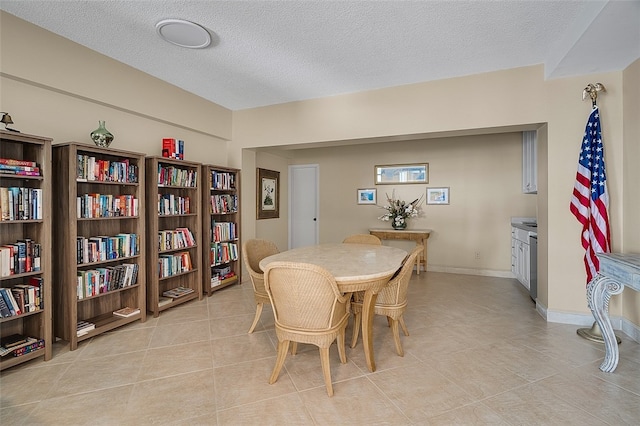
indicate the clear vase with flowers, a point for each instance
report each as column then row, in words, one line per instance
column 398, row 211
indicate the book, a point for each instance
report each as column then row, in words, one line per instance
column 84, row 327
column 31, row 346
column 126, row 312
column 177, row 292
column 4, row 309
column 164, row 301
column 13, row 340
column 17, row 347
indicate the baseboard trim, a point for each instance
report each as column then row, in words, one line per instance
column 468, row 271
column 620, row 324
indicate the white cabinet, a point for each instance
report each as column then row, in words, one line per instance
column 529, row 162
column 520, row 256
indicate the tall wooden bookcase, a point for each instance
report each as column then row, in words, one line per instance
column 174, row 234
column 34, row 227
column 100, row 264
column 220, row 228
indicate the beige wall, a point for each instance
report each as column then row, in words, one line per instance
column 484, row 195
column 631, row 192
column 60, row 89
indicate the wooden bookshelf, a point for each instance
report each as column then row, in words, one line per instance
column 35, row 226
column 100, row 262
column 173, row 206
column 220, row 227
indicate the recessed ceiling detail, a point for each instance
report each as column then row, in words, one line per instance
column 183, row 33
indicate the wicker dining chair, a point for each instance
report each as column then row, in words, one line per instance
column 391, row 302
column 362, row 239
column 308, row 308
column 253, row 251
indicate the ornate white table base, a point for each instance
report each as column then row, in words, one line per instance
column 616, row 271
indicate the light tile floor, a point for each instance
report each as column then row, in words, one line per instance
column 478, row 353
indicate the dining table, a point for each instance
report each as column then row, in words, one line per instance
column 355, row 267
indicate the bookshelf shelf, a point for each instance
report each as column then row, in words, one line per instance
column 173, row 185
column 35, row 227
column 83, row 170
column 220, row 227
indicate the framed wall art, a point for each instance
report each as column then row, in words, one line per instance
column 437, row 195
column 367, row 196
column 396, row 174
column 268, row 192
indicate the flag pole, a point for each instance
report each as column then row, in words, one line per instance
column 594, row 333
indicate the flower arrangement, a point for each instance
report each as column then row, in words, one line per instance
column 398, row 211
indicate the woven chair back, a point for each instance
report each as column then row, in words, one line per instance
column 395, row 293
column 253, row 251
column 304, row 296
column 362, row 239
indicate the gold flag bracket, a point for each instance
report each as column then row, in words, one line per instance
column 591, row 91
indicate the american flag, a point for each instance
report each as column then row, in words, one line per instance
column 590, row 200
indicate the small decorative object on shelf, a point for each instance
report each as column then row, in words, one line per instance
column 398, row 211
column 101, row 136
column 173, row 148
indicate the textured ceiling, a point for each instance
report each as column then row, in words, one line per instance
column 270, row 52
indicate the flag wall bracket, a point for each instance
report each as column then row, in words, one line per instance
column 591, row 91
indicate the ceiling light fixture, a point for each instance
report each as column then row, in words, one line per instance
column 183, row 33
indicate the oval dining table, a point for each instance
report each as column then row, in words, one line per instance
column 355, row 267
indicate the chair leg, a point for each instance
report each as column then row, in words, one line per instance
column 326, row 369
column 294, row 348
column 396, row 336
column 341, row 348
column 357, row 319
column 404, row 326
column 257, row 317
column 283, row 347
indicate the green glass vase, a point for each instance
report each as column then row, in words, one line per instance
column 101, row 136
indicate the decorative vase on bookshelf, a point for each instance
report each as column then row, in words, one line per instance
column 101, row 136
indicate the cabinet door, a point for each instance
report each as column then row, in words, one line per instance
column 526, row 266
column 529, row 162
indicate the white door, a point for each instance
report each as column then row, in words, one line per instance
column 303, row 205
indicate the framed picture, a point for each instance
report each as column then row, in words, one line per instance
column 396, row 174
column 437, row 195
column 366, row 196
column 268, row 192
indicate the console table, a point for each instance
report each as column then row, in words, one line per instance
column 420, row 236
column 616, row 271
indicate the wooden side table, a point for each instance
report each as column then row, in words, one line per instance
column 420, row 236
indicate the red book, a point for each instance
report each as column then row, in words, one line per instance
column 168, row 147
column 12, row 162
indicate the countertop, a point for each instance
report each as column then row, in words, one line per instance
column 525, row 227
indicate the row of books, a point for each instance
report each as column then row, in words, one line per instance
column 218, row 278
column 175, row 176
column 21, row 298
column 223, row 231
column 102, row 248
column 17, row 203
column 223, row 203
column 173, row 148
column 19, row 167
column 173, row 264
column 96, row 281
column 91, row 169
column 175, row 239
column 223, row 181
column 221, row 253
column 19, row 344
column 106, row 205
column 20, row 257
column 169, row 204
